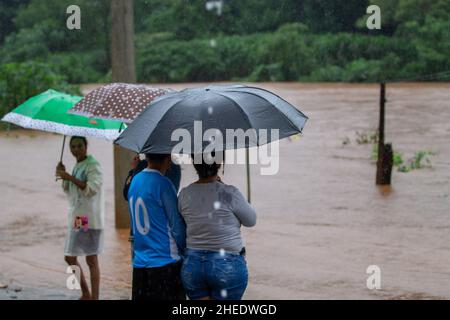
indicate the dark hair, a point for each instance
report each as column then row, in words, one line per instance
column 205, row 170
column 78, row 137
column 157, row 158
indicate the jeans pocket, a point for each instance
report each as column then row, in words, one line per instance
column 229, row 278
column 225, row 266
column 230, row 270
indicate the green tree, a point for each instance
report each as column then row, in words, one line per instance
column 20, row 81
column 8, row 11
column 332, row 16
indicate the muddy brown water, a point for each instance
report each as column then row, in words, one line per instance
column 321, row 219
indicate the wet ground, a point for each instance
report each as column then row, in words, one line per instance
column 321, row 219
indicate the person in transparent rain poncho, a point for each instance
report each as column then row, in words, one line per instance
column 84, row 189
column 214, row 265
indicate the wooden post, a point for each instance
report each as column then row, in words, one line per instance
column 123, row 70
column 385, row 153
column 382, row 105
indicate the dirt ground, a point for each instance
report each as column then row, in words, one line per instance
column 321, row 220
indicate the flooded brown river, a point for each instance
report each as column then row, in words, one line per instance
column 321, row 220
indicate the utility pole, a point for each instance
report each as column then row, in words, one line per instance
column 123, row 70
column 385, row 153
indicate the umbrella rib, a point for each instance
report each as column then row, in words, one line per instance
column 160, row 119
column 285, row 116
column 256, row 88
column 241, row 110
column 270, row 92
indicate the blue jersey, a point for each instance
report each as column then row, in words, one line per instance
column 158, row 228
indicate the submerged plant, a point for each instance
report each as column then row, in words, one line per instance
column 421, row 159
column 366, row 137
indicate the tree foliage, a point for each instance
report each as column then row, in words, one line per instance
column 259, row 40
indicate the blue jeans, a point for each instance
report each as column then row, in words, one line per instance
column 213, row 274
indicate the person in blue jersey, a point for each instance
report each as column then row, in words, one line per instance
column 137, row 165
column 159, row 233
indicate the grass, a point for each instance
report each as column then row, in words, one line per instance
column 369, row 137
column 363, row 137
column 421, row 159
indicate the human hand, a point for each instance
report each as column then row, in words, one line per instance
column 61, row 172
column 60, row 166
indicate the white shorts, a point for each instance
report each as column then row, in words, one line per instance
column 83, row 243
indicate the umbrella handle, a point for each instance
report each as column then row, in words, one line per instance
column 62, row 152
column 247, row 167
column 62, row 149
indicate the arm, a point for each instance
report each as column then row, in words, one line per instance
column 176, row 222
column 69, row 178
column 62, row 174
column 242, row 209
column 94, row 180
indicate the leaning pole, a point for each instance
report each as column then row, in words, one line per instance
column 123, row 70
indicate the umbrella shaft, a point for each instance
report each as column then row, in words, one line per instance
column 247, row 165
column 62, row 149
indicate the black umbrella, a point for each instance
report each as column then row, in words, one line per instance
column 218, row 107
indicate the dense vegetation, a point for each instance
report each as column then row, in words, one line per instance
column 256, row 40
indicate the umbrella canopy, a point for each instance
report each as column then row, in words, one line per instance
column 48, row 112
column 117, row 101
column 217, row 107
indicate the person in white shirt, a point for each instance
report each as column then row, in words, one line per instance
column 84, row 189
column 214, row 266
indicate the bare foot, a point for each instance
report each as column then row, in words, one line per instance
column 85, row 297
